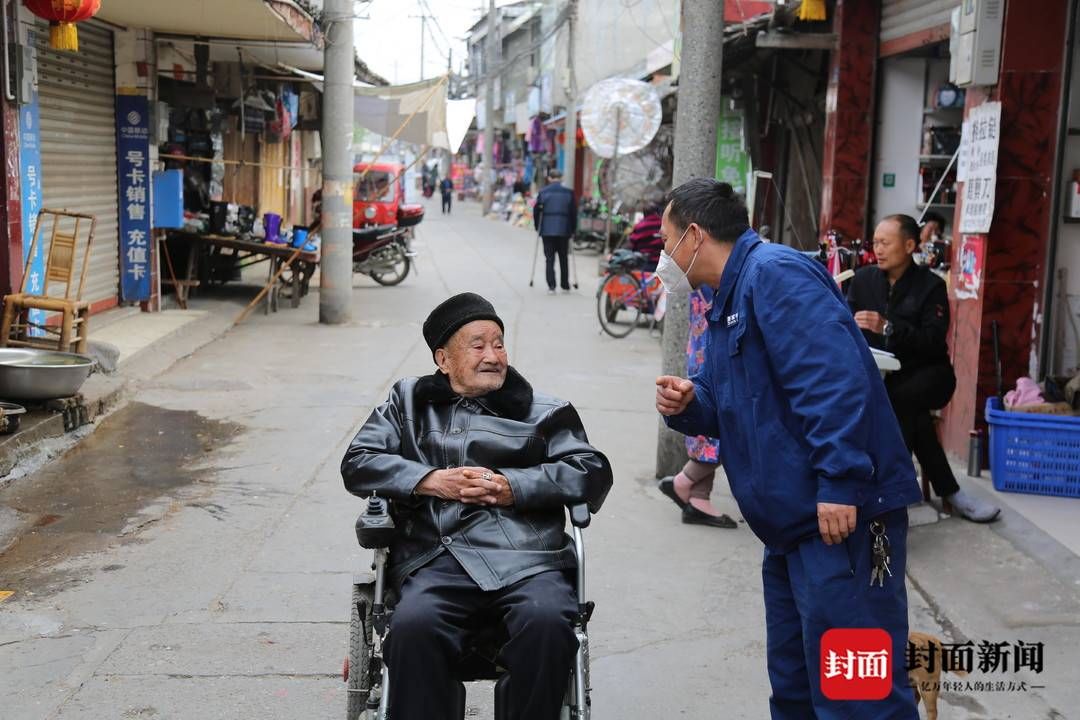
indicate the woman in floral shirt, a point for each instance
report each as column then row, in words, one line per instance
column 691, row 488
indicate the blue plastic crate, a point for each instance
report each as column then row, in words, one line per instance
column 1033, row 453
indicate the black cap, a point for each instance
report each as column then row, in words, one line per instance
column 452, row 314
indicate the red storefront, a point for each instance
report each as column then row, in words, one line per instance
column 1018, row 265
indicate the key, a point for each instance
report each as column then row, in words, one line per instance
column 880, row 554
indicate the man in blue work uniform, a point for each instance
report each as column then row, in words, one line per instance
column 809, row 442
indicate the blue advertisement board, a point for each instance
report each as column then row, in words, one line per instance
column 30, row 185
column 133, row 168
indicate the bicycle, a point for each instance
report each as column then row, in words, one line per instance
column 626, row 293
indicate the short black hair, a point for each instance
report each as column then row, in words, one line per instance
column 909, row 228
column 934, row 217
column 710, row 204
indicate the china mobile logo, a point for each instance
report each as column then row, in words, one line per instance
column 856, row 664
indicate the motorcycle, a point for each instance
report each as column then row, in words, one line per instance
column 383, row 224
column 383, row 252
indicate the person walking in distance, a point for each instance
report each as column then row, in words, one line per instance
column 814, row 456
column 555, row 218
column 446, row 187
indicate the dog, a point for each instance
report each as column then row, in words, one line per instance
column 926, row 684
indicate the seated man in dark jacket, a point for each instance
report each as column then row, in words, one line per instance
column 480, row 469
column 903, row 308
column 555, row 218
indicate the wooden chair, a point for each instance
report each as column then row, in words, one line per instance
column 16, row 328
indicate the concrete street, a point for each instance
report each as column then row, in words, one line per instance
column 192, row 558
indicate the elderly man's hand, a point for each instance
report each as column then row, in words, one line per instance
column 471, row 485
column 502, row 494
column 673, row 394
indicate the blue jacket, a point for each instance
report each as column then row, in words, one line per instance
column 555, row 214
column 791, row 390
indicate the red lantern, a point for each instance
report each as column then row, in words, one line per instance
column 62, row 16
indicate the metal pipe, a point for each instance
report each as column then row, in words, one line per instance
column 7, row 55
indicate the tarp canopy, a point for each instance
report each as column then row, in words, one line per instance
column 417, row 113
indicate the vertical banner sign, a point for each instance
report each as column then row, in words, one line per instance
column 732, row 163
column 30, row 172
column 133, row 165
column 984, row 124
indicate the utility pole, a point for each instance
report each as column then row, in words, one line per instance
column 699, row 105
column 570, row 141
column 335, row 272
column 423, row 31
column 490, row 63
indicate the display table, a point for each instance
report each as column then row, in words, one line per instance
column 295, row 276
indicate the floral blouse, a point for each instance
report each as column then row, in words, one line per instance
column 700, row 448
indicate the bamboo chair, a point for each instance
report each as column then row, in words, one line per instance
column 17, row 328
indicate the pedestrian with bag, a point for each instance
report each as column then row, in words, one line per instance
column 809, row 442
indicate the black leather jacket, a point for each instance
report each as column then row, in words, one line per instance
column 537, row 442
column 918, row 308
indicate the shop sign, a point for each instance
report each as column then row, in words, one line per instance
column 971, row 260
column 133, row 164
column 732, row 162
column 983, row 128
column 30, row 172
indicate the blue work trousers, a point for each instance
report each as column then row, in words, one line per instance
column 816, row 587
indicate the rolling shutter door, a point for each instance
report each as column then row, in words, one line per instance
column 78, row 144
column 907, row 24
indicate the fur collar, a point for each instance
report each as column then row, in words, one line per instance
column 513, row 400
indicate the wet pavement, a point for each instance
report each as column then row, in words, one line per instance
column 84, row 500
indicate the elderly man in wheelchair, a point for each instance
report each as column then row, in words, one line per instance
column 469, row 474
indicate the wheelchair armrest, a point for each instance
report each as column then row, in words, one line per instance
column 579, row 515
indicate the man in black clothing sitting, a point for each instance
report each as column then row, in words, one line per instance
column 903, row 308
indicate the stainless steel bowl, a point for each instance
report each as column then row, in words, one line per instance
column 28, row 374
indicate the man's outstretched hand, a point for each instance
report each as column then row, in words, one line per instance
column 470, row 485
column 673, row 394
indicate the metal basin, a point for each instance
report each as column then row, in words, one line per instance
column 27, row 374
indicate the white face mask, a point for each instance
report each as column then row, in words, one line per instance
column 673, row 277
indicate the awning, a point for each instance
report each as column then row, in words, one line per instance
column 274, row 20
column 417, row 113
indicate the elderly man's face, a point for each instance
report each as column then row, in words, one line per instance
column 474, row 359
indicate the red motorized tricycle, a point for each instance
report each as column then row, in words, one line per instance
column 383, row 223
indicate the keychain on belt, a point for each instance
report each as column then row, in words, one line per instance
column 880, row 553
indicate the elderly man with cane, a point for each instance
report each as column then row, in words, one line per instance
column 555, row 220
column 812, row 450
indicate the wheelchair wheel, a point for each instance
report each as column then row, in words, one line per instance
column 358, row 664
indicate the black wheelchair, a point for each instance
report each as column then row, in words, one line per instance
column 366, row 676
